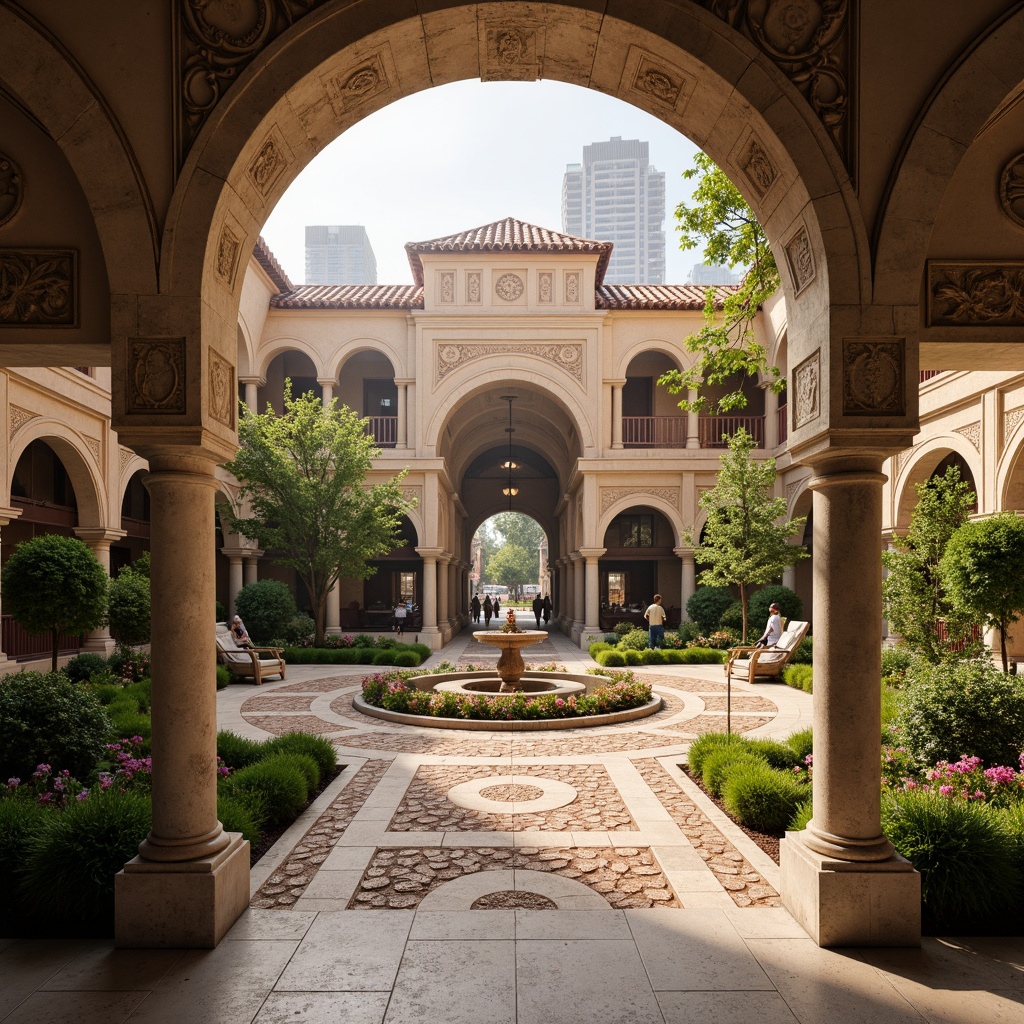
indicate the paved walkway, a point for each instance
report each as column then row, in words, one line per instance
column 514, row 878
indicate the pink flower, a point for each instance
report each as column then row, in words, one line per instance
column 945, row 790
column 1000, row 774
column 13, row 783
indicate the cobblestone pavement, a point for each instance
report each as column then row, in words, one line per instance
column 475, row 820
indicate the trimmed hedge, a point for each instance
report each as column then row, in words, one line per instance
column 276, row 782
column 762, row 797
column 799, row 677
column 357, row 655
column 322, row 751
column 707, row 743
column 720, row 764
column 617, row 658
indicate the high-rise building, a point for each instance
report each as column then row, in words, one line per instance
column 616, row 196
column 339, row 254
column 704, row 274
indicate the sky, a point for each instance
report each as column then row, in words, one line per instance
column 458, row 156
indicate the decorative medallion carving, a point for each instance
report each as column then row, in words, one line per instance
column 656, row 79
column 446, row 289
column 807, row 390
column 11, row 189
column 269, row 164
column 94, row 446
column 611, row 495
column 223, row 391
column 545, row 286
column 361, row 82
column 509, row 287
column 971, row 293
column 1011, row 190
column 156, row 375
column 800, row 259
column 511, row 52
column 451, row 355
column 792, row 490
column 412, row 493
column 809, row 41
column 899, row 460
column 38, row 288
column 19, row 417
column 752, row 159
column 873, row 377
column 572, row 288
column 1011, row 419
column 473, row 286
column 228, row 249
column 973, row 433
column 124, row 456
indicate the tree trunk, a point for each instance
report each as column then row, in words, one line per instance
column 743, row 602
column 53, row 663
column 1002, row 646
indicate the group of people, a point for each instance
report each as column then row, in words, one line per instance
column 491, row 608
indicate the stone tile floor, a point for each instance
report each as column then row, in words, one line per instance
column 535, row 879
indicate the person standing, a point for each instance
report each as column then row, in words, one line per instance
column 655, row 616
column 538, row 607
column 474, row 607
column 773, row 631
column 497, row 605
column 488, row 611
column 547, row 609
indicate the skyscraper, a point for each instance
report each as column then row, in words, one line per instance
column 616, row 196
column 339, row 254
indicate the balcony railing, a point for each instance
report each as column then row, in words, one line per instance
column 713, row 429
column 783, row 425
column 384, row 430
column 21, row 645
column 928, row 374
column 654, row 431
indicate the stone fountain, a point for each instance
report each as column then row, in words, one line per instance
column 511, row 639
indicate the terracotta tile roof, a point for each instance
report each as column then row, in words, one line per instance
column 268, row 261
column 657, row 296
column 350, row 296
column 508, row 235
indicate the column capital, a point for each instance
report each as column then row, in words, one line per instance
column 616, row 382
column 401, row 382
column 98, row 534
column 252, row 378
column 575, row 556
column 253, row 552
column 234, row 552
column 8, row 515
column 429, row 553
column 323, row 381
column 592, row 553
column 685, row 553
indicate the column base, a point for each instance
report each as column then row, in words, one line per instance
column 847, row 903
column 183, row 905
column 333, row 631
column 99, row 645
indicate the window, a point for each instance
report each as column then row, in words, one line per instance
column 617, row 588
column 405, row 588
column 636, row 531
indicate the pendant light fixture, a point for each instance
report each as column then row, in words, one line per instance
column 509, row 490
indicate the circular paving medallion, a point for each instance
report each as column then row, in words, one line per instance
column 511, row 797
column 512, row 793
column 510, row 899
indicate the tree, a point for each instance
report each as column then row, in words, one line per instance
column 524, row 532
column 512, row 566
column 913, row 594
column 267, row 608
column 128, row 605
column 725, row 346
column 983, row 571
column 745, row 539
column 303, row 475
column 54, row 584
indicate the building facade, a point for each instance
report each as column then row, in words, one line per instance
column 339, row 254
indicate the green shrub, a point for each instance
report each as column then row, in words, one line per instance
column 896, row 661
column 688, row 632
column 720, row 763
column 706, row 605
column 778, row 755
column 422, row 650
column 706, row 743
column 761, row 797
column 799, row 676
column 804, row 654
column 702, row 656
column 610, row 659
column 732, row 617
column 20, row 820
column 47, row 719
column 1011, row 820
column 300, row 627
column 127, row 663
column 223, row 677
column 632, row 657
column 790, row 606
column 220, row 611
column 653, row 656
column 68, row 875
column 365, row 655
column 622, row 628
column 600, row 645
column 238, row 751
column 965, row 857
column 131, row 723
column 804, row 813
column 280, row 783
column 801, row 743
column 141, row 693
column 238, row 816
column 128, row 611
column 322, row 751
column 362, row 640
column 82, row 666
column 384, row 657
column 611, row 639
column 306, row 765
column 958, row 708
column 634, row 640
column 266, row 607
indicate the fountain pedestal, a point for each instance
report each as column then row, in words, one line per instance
column 510, row 663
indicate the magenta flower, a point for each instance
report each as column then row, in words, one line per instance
column 945, row 790
column 13, row 783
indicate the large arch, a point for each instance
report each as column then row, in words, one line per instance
column 924, row 460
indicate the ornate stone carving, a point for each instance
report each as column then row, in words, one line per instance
column 19, row 417
column 511, row 52
column 269, row 163
column 473, row 286
column 611, row 495
column 752, row 159
column 811, row 42
column 38, row 288
column 873, row 377
column 972, row 293
column 222, row 401
column 11, row 189
column 1011, row 418
column 899, row 460
column 446, row 287
column 545, row 286
column 972, row 432
column 1011, row 190
column 451, row 355
column 572, row 288
column 228, row 248
column 412, row 493
column 363, row 81
column 792, row 489
column 156, row 376
column 509, row 287
column 124, row 456
column 656, row 79
column 94, row 446
column 807, row 390
column 800, row 259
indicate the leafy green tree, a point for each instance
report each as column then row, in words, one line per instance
column 983, row 571
column 511, row 566
column 267, row 608
column 721, row 219
column 522, row 531
column 54, row 584
column 913, row 594
column 303, row 475
column 128, row 605
column 745, row 537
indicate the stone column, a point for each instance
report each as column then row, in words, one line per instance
column 251, row 560
column 692, row 423
column 7, row 516
column 235, row 575
column 430, row 624
column 403, row 413
column 771, row 418
column 592, row 618
column 617, row 414
column 99, row 540
column 442, row 592
column 688, row 585
column 570, row 593
column 789, row 577
column 332, row 614
column 190, row 880
column 454, row 596
column 327, row 389
column 579, row 582
column 840, row 877
column 252, row 384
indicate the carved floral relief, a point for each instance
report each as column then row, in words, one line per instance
column 447, row 287
column 222, row 398
column 452, row 355
column 19, row 417
column 156, row 375
column 509, row 287
column 511, row 51
column 873, row 377
column 807, row 390
column 972, row 293
column 269, row 164
column 800, row 259
column 572, row 288
column 11, row 189
column 1011, row 189
column 228, row 249
column 656, row 79
column 473, row 286
column 363, row 81
column 972, row 432
column 38, row 288
column 545, row 286
column 611, row 495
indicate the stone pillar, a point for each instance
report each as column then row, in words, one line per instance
column 570, row 592
column 840, row 876
column 99, row 540
column 429, row 556
column 442, row 591
column 332, row 614
column 789, row 577
column 403, row 413
column 592, row 618
column 190, row 880
column 252, row 384
column 454, row 596
column 235, row 576
column 692, row 422
column 7, row 516
column 617, row 414
column 771, row 418
column 251, row 560
column 327, row 389
column 688, row 583
column 579, row 583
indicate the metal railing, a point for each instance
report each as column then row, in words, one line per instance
column 928, row 374
column 384, row 430
column 713, row 429
column 654, row 431
column 21, row 645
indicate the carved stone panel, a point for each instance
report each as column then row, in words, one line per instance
column 509, row 287
column 19, row 417
column 156, row 376
column 473, row 293
column 124, row 456
column 545, row 287
column 511, row 51
column 38, row 288
column 899, row 460
column 223, row 390
column 269, row 163
column 11, row 189
column 94, row 446
column 800, row 259
column 751, row 158
column 446, row 287
column 1011, row 419
column 654, row 78
column 973, row 434
column 1011, row 189
column 972, row 293
column 612, row 495
column 807, row 390
column 371, row 76
column 451, row 355
column 229, row 248
column 873, row 377
column 572, row 288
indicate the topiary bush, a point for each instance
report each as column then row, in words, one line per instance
column 47, row 719
column 610, row 659
column 384, row 657
column 322, row 751
column 720, row 763
column 128, row 607
column 706, row 605
column 300, row 627
column 280, row 784
column 778, row 755
column 732, row 617
column 406, row 659
column 966, row 707
column 601, row 645
column 266, row 607
column 238, row 751
column 634, row 640
column 761, row 797
column 706, row 743
column 790, row 606
column 82, row 666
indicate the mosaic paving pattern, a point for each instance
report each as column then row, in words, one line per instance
column 292, row 723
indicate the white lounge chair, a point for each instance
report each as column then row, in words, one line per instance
column 750, row 662
column 249, row 662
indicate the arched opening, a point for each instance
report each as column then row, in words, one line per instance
column 290, row 365
column 650, row 415
column 397, row 577
column 135, row 517
column 367, row 386
column 717, row 428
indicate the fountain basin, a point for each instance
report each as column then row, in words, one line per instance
column 510, row 665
